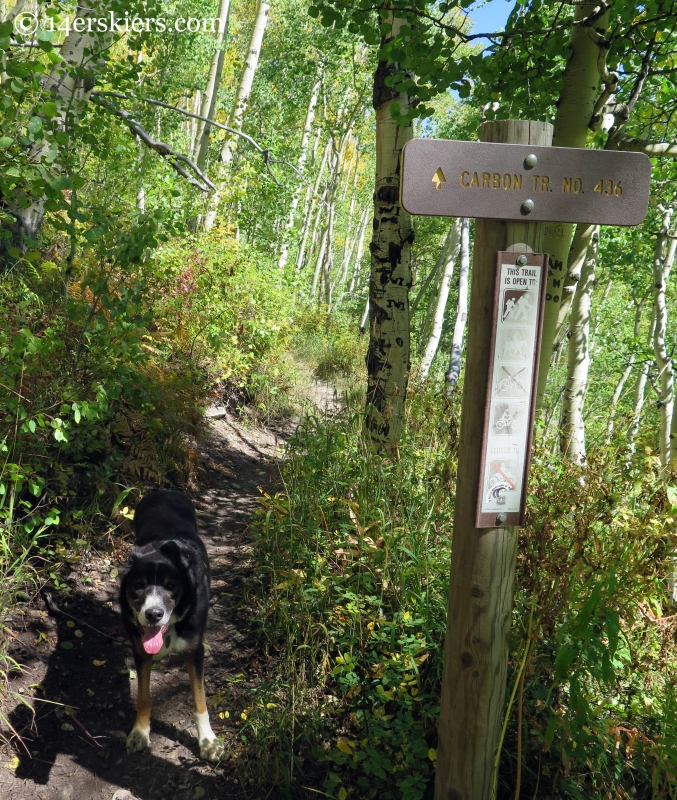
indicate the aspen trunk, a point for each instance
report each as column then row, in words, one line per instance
column 435, row 271
column 577, row 256
column 441, row 305
column 348, row 246
column 572, row 436
column 328, row 261
column 483, row 560
column 579, row 92
column 454, row 371
column 208, row 108
column 360, row 251
column 664, row 253
column 640, row 388
column 618, row 391
column 320, row 261
column 70, row 84
column 365, row 317
column 300, row 166
column 388, row 353
column 237, row 113
column 312, row 214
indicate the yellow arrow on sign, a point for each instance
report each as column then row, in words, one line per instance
column 438, row 178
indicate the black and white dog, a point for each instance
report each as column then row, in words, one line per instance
column 164, row 598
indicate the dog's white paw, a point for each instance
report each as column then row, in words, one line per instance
column 211, row 750
column 137, row 740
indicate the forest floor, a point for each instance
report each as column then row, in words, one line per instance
column 77, row 663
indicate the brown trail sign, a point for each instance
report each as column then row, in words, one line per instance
column 515, row 181
column 511, row 182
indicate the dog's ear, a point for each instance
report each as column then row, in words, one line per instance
column 172, row 550
column 139, row 551
column 183, row 554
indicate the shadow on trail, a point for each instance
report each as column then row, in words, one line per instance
column 85, row 711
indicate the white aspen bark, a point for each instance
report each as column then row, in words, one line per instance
column 300, row 166
column 441, row 305
column 640, row 388
column 577, row 256
column 576, row 105
column 311, row 214
column 389, row 337
column 615, row 398
column 572, row 436
column 435, row 271
column 351, row 173
column 454, row 371
column 211, row 91
column 364, row 318
column 192, row 128
column 328, row 262
column 71, row 84
column 320, row 261
column 239, row 106
column 327, row 240
column 348, row 245
column 662, row 262
column 360, row 251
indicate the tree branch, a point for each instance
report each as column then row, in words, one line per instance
column 204, row 184
column 651, row 149
column 265, row 153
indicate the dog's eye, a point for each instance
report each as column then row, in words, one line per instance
column 170, row 586
column 138, row 586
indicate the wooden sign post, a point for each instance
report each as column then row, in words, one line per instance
column 511, row 181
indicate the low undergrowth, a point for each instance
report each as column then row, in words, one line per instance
column 354, row 560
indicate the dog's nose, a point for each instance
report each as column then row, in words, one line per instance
column 154, row 615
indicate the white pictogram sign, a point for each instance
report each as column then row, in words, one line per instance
column 507, row 435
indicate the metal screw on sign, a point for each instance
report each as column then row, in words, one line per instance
column 501, row 518
column 521, row 260
column 530, row 161
column 528, row 206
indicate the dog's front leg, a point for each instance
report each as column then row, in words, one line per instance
column 139, row 738
column 211, row 748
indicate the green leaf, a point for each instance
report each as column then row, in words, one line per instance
column 94, row 234
column 67, row 645
column 5, row 141
column 49, row 109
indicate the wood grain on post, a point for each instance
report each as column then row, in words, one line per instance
column 483, row 560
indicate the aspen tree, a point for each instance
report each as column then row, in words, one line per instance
column 364, row 318
column 572, row 436
column 433, row 275
column 575, row 108
column 640, row 388
column 618, row 391
column 577, row 256
column 452, row 374
column 208, row 107
column 664, row 254
column 441, row 304
column 312, row 213
column 237, row 112
column 300, row 166
column 71, row 84
column 360, row 251
column 389, row 339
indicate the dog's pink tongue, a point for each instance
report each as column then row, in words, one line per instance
column 153, row 639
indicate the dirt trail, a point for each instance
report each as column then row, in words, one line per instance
column 75, row 655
